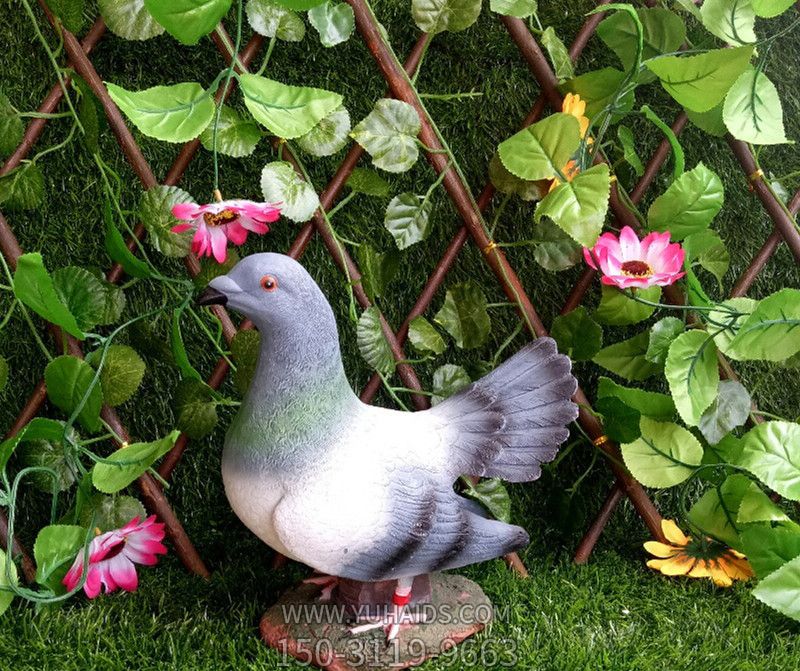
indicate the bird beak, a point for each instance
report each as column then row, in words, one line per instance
column 211, row 296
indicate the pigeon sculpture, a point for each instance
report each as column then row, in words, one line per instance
column 363, row 492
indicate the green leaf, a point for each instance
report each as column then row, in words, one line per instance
column 54, row 552
column 756, row 506
column 178, row 347
column 662, row 333
column 492, row 495
column 664, row 455
column 424, row 337
column 723, row 338
column 287, row 111
column 11, row 127
column 33, row 286
column 715, row 512
column 209, row 269
column 368, row 182
column 299, row 5
column 689, row 204
column 378, row 269
column 769, row 548
column 771, row 332
column 701, row 82
column 542, row 149
column 274, row 20
column 128, row 463
column 617, row 309
column 188, row 20
column 579, row 207
column 771, row 8
column 508, row 183
column 22, row 188
column 195, row 408
column 692, row 372
column 555, row 250
column 559, row 56
column 752, row 111
column 122, row 373
column 245, row 347
column 176, row 113
column 280, row 183
column 521, row 9
column 599, row 88
column 663, row 32
column 464, row 315
column 649, row 403
column 447, row 380
column 628, row 143
column 3, row 373
column 407, row 219
column 6, row 595
column 118, row 251
column 329, row 135
column 689, row 7
column 729, row 410
column 627, row 358
column 129, row 19
column 39, row 428
column 389, row 134
column 620, row 421
column 68, row 379
column 90, row 299
column 112, row 512
column 711, row 121
column 577, row 334
column 69, row 12
column 372, row 342
column 50, row 454
column 781, row 589
column 771, row 452
column 436, row 16
column 236, row 136
column 334, row 21
column 707, row 249
column 155, row 213
column 733, row 21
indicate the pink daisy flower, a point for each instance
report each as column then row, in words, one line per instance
column 217, row 223
column 628, row 262
column 113, row 557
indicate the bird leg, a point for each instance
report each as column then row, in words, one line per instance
column 394, row 617
column 327, row 583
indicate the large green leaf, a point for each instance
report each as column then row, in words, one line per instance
column 710, row 121
column 729, row 410
column 372, row 341
column 329, row 135
column 280, row 183
column 618, row 309
column 757, row 506
column 662, row 333
column 577, row 334
column 118, row 251
column 129, row 19
column 424, row 337
column 598, row 89
column 741, row 304
column 752, row 111
column 701, row 82
column 627, row 358
column 492, row 495
column 464, row 315
column 579, row 207
column 664, row 455
column 447, row 380
column 389, row 134
column 123, row 370
column 69, row 12
column 334, row 21
column 781, row 589
column 22, row 188
column 554, row 250
column 706, row 249
column 620, row 421
column 39, row 428
column 368, row 182
column 33, row 286
column 128, row 463
column 436, row 16
column 407, row 218
column 155, row 213
column 731, row 20
column 11, row 127
column 692, row 372
column 54, row 454
column 772, row 331
column 91, row 299
column 111, row 512
column 522, row 9
column 287, row 111
column 378, row 269
column 770, row 8
column 649, row 403
column 6, row 567
column 195, row 408
column 689, row 204
column 771, row 452
column 54, row 551
column 274, row 20
column 542, row 149
column 768, row 548
column 68, row 380
column 559, row 56
column 508, row 183
column 188, row 20
column 236, row 136
column 625, row 136
column 715, row 511
column 176, row 113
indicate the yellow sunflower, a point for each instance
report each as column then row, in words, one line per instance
column 702, row 558
column 576, row 107
column 569, row 171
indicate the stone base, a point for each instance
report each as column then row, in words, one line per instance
column 315, row 633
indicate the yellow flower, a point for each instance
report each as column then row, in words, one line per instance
column 704, row 558
column 576, row 107
column 569, row 171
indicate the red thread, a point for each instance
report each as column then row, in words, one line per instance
column 401, row 599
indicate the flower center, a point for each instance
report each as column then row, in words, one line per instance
column 219, row 218
column 705, row 549
column 636, row 269
column 115, row 550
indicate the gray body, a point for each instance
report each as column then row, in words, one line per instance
column 363, row 492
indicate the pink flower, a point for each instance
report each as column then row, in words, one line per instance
column 217, row 223
column 114, row 554
column 629, row 262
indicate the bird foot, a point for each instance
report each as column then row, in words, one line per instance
column 328, row 583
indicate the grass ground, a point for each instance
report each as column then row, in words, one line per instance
column 613, row 613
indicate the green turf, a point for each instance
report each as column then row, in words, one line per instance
column 614, row 613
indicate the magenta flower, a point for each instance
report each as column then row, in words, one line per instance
column 628, row 262
column 113, row 557
column 217, row 223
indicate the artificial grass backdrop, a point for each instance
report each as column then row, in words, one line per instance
column 614, row 613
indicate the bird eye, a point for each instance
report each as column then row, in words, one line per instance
column 269, row 283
